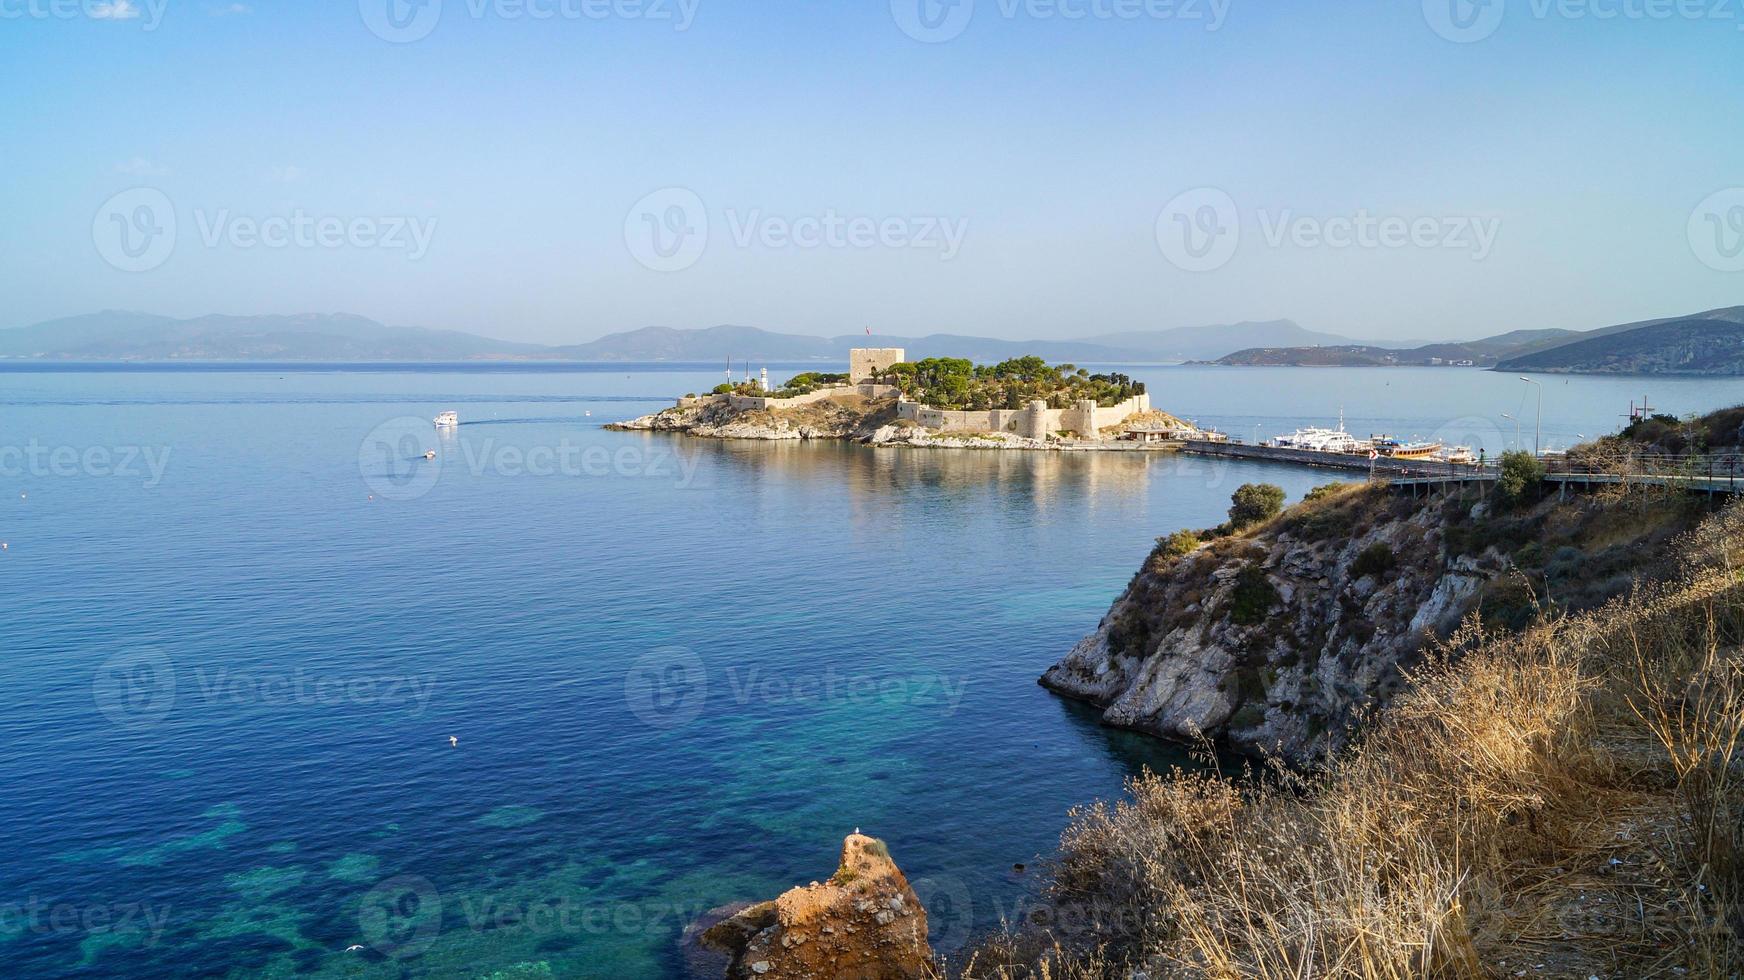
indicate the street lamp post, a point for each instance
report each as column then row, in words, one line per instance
column 1538, row 418
column 1516, row 428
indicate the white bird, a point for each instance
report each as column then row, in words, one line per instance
column 352, row 949
column 453, row 742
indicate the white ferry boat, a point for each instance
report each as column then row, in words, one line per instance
column 448, row 420
column 1323, row 440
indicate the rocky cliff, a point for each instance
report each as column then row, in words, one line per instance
column 864, row 923
column 1275, row 641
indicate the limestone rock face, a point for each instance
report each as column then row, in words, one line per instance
column 822, row 420
column 1277, row 642
column 863, row 924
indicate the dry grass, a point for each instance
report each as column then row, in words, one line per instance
column 1566, row 801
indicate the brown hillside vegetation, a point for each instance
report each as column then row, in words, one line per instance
column 1562, row 801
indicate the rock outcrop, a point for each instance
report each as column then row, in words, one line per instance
column 848, row 418
column 863, row 924
column 1276, row 642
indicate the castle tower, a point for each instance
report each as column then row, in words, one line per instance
column 866, row 362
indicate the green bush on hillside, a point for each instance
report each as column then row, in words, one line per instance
column 1522, row 474
column 1254, row 503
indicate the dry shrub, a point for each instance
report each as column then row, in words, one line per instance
column 1569, row 799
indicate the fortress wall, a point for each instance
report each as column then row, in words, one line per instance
column 757, row 402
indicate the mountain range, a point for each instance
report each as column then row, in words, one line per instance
column 1707, row 343
column 339, row 337
column 1711, row 342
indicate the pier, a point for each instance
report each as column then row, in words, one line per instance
column 1715, row 474
column 1383, row 465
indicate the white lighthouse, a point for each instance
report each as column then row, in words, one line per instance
column 765, row 380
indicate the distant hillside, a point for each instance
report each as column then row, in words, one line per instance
column 1733, row 314
column 1696, row 345
column 750, row 343
column 121, row 336
column 1476, row 353
column 1206, row 343
column 1705, row 343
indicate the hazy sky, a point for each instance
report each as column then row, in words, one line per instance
column 544, row 169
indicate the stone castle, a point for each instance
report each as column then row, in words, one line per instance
column 1084, row 419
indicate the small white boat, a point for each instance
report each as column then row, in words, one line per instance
column 448, row 420
column 430, row 455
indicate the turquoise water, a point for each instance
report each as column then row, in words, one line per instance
column 243, row 617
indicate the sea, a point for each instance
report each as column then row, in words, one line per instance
column 280, row 696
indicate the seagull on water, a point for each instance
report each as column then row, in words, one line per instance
column 453, row 742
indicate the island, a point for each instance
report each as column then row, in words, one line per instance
column 941, row 402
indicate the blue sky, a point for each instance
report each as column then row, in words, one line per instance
column 1025, row 176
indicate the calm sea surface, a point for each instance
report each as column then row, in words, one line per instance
column 241, row 617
